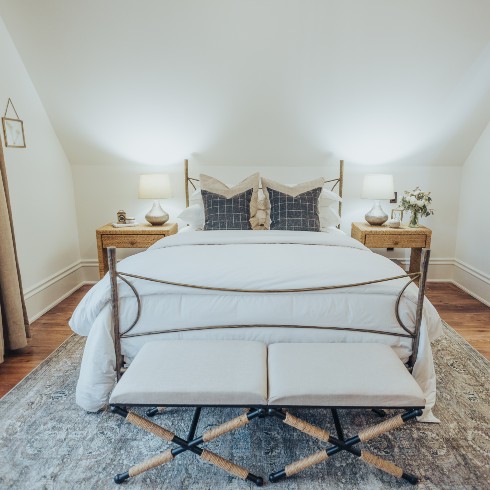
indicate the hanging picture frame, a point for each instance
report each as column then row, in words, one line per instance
column 13, row 129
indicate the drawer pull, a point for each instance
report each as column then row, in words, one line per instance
column 132, row 242
column 395, row 243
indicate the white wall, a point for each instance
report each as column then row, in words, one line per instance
column 41, row 191
column 473, row 239
column 276, row 82
column 102, row 190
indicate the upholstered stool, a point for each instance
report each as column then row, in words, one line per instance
column 196, row 373
column 340, row 375
column 193, row 373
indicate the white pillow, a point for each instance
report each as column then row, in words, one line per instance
column 193, row 215
column 328, row 205
column 328, row 197
column 196, row 198
column 329, row 217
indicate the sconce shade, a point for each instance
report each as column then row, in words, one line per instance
column 378, row 186
column 154, row 186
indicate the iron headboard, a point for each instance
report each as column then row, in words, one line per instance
column 190, row 182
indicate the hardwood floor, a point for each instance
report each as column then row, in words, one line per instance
column 468, row 316
column 48, row 333
column 465, row 314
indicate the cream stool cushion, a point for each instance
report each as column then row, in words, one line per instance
column 340, row 375
column 195, row 372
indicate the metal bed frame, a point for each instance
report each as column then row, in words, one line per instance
column 412, row 333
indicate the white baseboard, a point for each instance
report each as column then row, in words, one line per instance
column 90, row 270
column 46, row 294
column 38, row 314
column 475, row 282
column 440, row 270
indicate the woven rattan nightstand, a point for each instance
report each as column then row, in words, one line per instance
column 141, row 236
column 385, row 237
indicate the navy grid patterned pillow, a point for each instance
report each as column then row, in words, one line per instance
column 227, row 214
column 298, row 213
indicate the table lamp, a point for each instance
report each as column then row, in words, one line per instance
column 377, row 187
column 155, row 186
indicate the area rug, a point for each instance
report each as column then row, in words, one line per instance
column 48, row 442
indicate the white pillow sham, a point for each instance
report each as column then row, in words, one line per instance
column 329, row 217
column 328, row 198
column 193, row 215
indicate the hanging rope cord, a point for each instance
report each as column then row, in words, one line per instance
column 411, row 276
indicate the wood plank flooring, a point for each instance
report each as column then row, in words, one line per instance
column 465, row 314
column 468, row 316
column 48, row 333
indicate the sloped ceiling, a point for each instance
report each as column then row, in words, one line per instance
column 265, row 82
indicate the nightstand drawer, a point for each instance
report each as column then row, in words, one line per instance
column 395, row 241
column 129, row 241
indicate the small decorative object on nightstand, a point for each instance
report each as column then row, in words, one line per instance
column 397, row 214
column 139, row 236
column 121, row 217
column 403, row 237
column 377, row 187
column 155, row 186
column 396, row 218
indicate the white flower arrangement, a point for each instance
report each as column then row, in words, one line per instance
column 417, row 202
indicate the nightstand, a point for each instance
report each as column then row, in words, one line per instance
column 141, row 236
column 403, row 237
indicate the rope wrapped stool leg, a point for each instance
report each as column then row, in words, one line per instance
column 302, row 464
column 224, row 464
column 320, row 456
column 158, row 460
column 151, row 427
column 192, row 446
column 382, row 464
column 381, row 428
column 366, row 434
column 226, row 427
column 306, row 427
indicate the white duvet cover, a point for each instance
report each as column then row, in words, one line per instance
column 252, row 260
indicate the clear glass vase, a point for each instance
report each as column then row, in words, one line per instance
column 414, row 219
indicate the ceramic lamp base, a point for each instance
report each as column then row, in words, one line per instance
column 376, row 216
column 156, row 216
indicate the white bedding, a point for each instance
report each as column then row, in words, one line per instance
column 252, row 260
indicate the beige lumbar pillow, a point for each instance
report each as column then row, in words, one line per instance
column 215, row 186
column 294, row 191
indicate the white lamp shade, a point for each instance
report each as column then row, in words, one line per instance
column 378, row 186
column 154, row 186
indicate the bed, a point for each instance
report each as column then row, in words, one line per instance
column 272, row 286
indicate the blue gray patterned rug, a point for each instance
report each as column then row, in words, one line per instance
column 47, row 442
